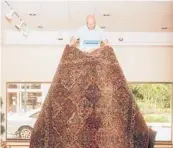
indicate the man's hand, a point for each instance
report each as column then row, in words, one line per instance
column 106, row 43
column 73, row 42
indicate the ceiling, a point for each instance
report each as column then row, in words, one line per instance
column 126, row 16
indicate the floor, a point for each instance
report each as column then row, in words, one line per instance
column 13, row 144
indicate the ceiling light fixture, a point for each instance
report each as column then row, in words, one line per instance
column 164, row 28
column 9, row 15
column 106, row 14
column 103, row 27
column 19, row 26
column 40, row 26
column 60, row 38
column 22, row 26
column 25, row 31
column 120, row 39
column 32, row 14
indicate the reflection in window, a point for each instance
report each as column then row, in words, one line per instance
column 24, row 101
column 35, row 115
column 154, row 101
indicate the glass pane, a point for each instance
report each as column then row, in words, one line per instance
column 24, row 101
column 34, row 115
column 154, row 101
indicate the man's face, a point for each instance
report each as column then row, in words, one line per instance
column 91, row 23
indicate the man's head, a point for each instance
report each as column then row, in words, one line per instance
column 90, row 21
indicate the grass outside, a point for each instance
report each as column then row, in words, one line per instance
column 157, row 118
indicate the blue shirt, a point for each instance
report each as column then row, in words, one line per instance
column 89, row 39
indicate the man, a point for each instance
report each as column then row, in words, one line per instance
column 90, row 36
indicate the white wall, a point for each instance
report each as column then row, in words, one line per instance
column 30, row 63
column 38, row 63
column 146, row 64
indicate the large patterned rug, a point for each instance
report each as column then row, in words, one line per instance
column 89, row 105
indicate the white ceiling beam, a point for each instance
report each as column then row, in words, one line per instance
column 54, row 38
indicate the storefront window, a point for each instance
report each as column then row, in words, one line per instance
column 154, row 101
column 24, row 101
